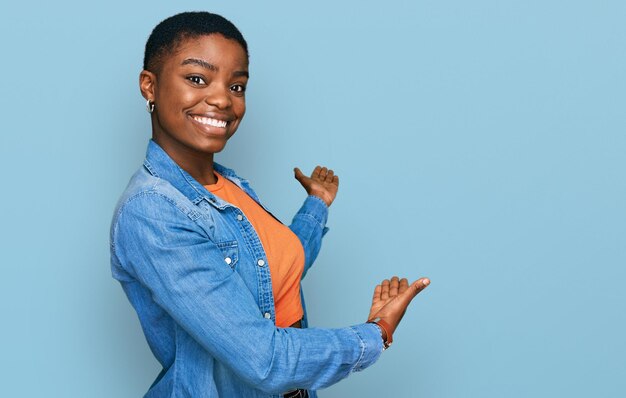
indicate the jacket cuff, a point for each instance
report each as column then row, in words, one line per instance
column 371, row 345
column 316, row 208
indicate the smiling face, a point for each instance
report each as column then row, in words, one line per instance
column 199, row 96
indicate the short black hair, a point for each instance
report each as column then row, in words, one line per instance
column 169, row 33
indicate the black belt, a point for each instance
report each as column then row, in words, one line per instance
column 296, row 394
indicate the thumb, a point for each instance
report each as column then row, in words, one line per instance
column 298, row 174
column 415, row 288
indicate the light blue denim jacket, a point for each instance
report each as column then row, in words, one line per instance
column 194, row 269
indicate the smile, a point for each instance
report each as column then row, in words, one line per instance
column 210, row 121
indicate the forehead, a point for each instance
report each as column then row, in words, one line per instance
column 213, row 48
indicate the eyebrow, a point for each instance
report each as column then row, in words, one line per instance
column 200, row 62
column 240, row 73
column 211, row 67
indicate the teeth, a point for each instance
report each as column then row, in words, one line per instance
column 210, row 121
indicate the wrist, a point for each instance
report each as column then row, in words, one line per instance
column 385, row 331
column 321, row 196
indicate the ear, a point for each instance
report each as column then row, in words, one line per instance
column 147, row 82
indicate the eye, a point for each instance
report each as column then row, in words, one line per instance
column 197, row 80
column 238, row 88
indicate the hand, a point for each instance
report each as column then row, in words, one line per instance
column 323, row 183
column 391, row 299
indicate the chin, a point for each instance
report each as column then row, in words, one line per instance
column 218, row 150
column 215, row 148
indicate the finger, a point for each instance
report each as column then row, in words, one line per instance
column 393, row 287
column 330, row 175
column 316, row 172
column 403, row 285
column 384, row 294
column 336, row 180
column 323, row 173
column 377, row 291
column 410, row 293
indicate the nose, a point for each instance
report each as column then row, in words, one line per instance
column 218, row 96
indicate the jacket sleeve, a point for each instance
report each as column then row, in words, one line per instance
column 156, row 243
column 309, row 225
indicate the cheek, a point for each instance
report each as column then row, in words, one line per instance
column 240, row 108
column 176, row 95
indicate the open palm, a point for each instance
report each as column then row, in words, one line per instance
column 322, row 183
column 392, row 297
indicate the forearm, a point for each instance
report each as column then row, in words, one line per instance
column 313, row 358
column 309, row 225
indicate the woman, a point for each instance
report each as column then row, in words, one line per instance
column 213, row 276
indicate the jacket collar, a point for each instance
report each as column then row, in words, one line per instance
column 161, row 165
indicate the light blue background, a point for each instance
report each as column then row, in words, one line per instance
column 480, row 143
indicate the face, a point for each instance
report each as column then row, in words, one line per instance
column 199, row 96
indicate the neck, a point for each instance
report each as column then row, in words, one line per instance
column 199, row 165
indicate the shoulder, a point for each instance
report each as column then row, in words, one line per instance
column 150, row 199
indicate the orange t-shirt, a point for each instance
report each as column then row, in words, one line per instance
column 285, row 254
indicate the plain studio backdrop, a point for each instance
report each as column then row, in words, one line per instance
column 479, row 143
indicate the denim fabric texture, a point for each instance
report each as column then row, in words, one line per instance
column 195, row 271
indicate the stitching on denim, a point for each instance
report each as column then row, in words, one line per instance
column 132, row 198
column 307, row 216
column 320, row 220
column 188, row 212
column 176, row 356
column 363, row 345
column 320, row 199
column 151, row 169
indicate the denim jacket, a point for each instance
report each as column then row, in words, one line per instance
column 195, row 271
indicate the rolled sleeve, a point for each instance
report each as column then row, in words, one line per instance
column 316, row 208
column 371, row 341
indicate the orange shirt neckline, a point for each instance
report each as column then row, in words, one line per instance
column 219, row 184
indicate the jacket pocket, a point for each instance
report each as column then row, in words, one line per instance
column 230, row 250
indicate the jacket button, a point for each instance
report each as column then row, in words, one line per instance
column 267, row 315
column 239, row 217
column 260, row 263
column 228, row 260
